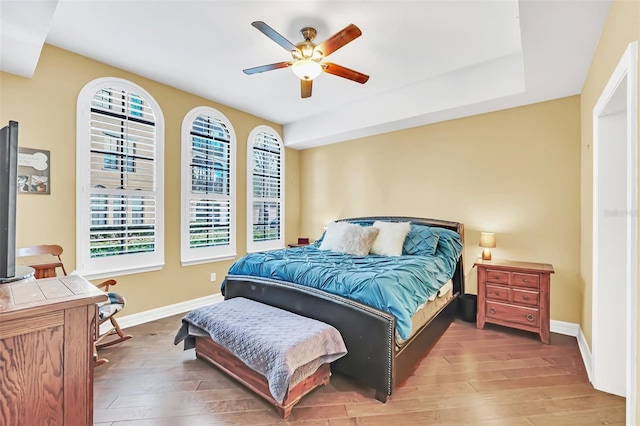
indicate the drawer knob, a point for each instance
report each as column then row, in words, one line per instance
column 530, row 318
column 496, row 293
column 493, row 311
column 525, row 280
column 525, row 297
column 496, row 277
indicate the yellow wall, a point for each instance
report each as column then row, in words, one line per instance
column 514, row 172
column 45, row 107
column 622, row 27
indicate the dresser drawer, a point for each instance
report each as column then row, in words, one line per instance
column 512, row 313
column 500, row 277
column 495, row 292
column 526, row 297
column 526, row 280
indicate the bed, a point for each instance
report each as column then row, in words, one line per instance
column 384, row 344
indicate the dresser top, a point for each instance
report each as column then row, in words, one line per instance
column 29, row 296
column 514, row 264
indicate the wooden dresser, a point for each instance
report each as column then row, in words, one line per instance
column 514, row 294
column 47, row 329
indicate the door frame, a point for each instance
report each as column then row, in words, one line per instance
column 626, row 71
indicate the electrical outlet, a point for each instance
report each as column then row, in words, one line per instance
column 213, row 276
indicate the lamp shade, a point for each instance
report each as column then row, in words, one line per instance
column 487, row 239
column 306, row 69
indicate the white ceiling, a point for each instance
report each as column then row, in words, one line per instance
column 429, row 61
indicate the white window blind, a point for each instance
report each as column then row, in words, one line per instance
column 120, row 180
column 208, row 188
column 265, row 190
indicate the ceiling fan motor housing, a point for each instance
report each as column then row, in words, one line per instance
column 307, row 49
column 308, row 33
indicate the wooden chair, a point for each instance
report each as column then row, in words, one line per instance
column 106, row 312
column 45, row 259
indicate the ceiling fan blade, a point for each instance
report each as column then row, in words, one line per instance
column 344, row 72
column 339, row 39
column 305, row 88
column 263, row 68
column 274, row 35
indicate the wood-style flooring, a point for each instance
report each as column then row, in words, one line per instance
column 495, row 376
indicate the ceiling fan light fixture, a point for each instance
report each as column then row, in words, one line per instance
column 306, row 69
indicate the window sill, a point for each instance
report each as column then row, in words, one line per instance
column 118, row 273
column 260, row 250
column 207, row 260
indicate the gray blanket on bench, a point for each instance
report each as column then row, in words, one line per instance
column 271, row 341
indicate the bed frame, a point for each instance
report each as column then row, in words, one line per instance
column 373, row 358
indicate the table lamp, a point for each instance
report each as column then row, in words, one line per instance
column 487, row 240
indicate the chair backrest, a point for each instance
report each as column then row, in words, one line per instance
column 44, row 259
column 52, row 249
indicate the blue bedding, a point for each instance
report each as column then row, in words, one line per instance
column 394, row 284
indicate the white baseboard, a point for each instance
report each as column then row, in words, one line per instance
column 566, row 328
column 163, row 312
column 586, row 355
column 574, row 330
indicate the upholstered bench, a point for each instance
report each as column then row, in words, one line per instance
column 279, row 355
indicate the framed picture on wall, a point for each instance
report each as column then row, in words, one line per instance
column 34, row 171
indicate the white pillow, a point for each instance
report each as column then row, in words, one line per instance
column 390, row 237
column 349, row 238
column 333, row 235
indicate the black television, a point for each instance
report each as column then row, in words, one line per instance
column 8, row 189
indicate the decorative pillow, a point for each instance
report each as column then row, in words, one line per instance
column 391, row 237
column 349, row 238
column 449, row 246
column 318, row 242
column 421, row 240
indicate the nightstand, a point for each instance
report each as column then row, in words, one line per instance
column 514, row 294
column 302, row 241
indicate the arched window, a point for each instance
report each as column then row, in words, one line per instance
column 208, row 187
column 120, row 179
column 265, row 190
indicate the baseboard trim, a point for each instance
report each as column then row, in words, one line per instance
column 574, row 330
column 566, row 328
column 163, row 312
column 586, row 355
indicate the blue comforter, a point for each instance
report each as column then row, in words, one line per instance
column 397, row 285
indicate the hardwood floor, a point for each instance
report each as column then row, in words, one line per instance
column 495, row 376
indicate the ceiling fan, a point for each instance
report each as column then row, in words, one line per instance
column 307, row 56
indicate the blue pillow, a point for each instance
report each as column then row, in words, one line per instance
column 421, row 240
column 449, row 244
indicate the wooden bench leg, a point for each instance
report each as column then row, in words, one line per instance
column 284, row 411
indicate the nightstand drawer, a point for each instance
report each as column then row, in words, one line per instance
column 526, row 297
column 526, row 280
column 495, row 292
column 511, row 313
column 494, row 276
